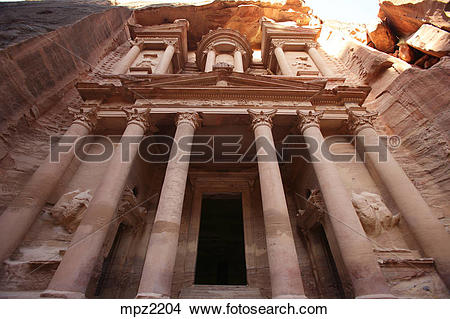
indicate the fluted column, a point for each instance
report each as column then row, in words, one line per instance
column 285, row 276
column 75, row 270
column 238, row 63
column 426, row 228
column 166, row 58
column 210, row 59
column 281, row 58
column 156, row 280
column 319, row 60
column 17, row 219
column 355, row 248
column 124, row 64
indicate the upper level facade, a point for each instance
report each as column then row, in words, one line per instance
column 219, row 75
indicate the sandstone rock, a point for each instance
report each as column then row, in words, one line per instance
column 381, row 36
column 406, row 16
column 37, row 71
column 242, row 16
column 405, row 52
column 415, row 107
column 431, row 40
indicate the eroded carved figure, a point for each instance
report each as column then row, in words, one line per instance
column 70, row 209
column 374, row 215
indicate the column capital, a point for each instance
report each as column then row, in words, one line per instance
column 358, row 121
column 276, row 43
column 86, row 118
column 261, row 118
column 137, row 42
column 307, row 120
column 172, row 42
column 138, row 116
column 312, row 45
column 191, row 118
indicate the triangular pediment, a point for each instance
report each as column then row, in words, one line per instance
column 223, row 80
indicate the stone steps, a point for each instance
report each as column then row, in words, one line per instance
column 220, row 292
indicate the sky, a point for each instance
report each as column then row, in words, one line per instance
column 361, row 11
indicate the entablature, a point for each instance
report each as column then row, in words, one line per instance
column 221, row 86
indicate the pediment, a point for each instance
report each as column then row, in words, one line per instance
column 221, row 85
column 224, row 80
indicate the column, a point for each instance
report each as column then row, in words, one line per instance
column 281, row 58
column 17, row 219
column 426, row 228
column 355, row 248
column 319, row 61
column 156, row 280
column 210, row 59
column 76, row 268
column 166, row 58
column 285, row 276
column 124, row 64
column 238, row 64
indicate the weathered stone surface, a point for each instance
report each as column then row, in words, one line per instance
column 36, row 72
column 430, row 40
column 70, row 209
column 23, row 20
column 416, row 107
column 405, row 52
column 242, row 16
column 373, row 213
column 381, row 36
column 406, row 16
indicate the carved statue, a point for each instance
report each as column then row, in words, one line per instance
column 127, row 210
column 375, row 217
column 69, row 210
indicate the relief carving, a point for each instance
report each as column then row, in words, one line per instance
column 70, row 208
column 127, row 211
column 374, row 215
column 314, row 211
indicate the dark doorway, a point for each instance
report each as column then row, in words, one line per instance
column 220, row 253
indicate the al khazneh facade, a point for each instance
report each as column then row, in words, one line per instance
column 259, row 228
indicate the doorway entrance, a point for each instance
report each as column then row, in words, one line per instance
column 221, row 248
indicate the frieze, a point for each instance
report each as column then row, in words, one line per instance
column 230, row 103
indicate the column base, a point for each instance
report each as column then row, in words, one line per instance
column 62, row 294
column 290, row 297
column 377, row 296
column 151, row 295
